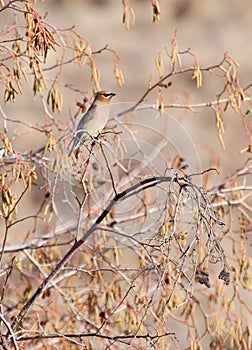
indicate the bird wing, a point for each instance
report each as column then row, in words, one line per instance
column 80, row 135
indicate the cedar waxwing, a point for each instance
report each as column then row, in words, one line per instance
column 93, row 121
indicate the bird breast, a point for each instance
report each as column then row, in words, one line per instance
column 96, row 120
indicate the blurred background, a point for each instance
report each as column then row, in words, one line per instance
column 209, row 28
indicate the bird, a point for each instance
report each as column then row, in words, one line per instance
column 93, row 121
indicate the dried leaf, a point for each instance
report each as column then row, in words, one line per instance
column 156, row 10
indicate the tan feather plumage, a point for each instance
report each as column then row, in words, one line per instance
column 93, row 121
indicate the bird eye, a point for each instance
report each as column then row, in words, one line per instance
column 108, row 94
